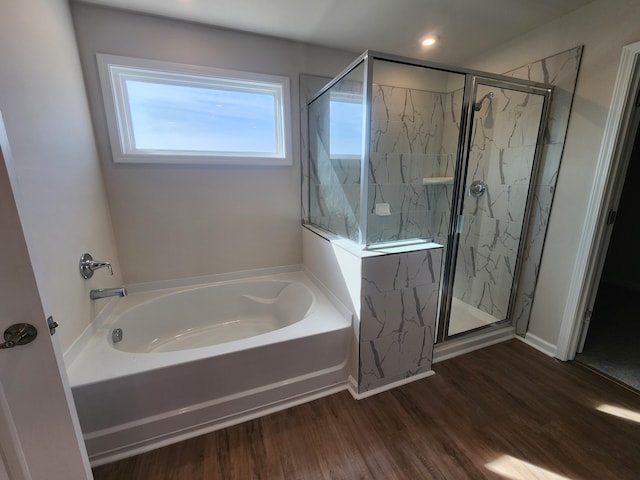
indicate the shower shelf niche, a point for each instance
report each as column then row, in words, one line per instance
column 437, row 181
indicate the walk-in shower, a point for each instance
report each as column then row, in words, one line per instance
column 404, row 152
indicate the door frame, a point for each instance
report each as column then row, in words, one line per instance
column 606, row 189
column 456, row 223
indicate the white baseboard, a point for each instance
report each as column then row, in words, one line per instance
column 352, row 387
column 539, row 344
column 353, row 390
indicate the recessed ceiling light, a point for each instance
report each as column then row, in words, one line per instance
column 429, row 40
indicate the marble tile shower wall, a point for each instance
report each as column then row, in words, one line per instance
column 414, row 134
column 501, row 156
column 561, row 71
column 397, row 322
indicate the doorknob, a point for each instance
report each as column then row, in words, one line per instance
column 19, row 334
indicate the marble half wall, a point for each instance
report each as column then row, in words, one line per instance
column 393, row 298
column 398, row 316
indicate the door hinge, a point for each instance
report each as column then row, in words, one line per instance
column 611, row 217
column 587, row 316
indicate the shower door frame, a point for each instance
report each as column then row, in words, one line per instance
column 456, row 222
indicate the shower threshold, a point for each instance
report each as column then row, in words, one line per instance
column 466, row 317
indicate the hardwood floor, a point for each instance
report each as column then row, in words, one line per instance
column 506, row 411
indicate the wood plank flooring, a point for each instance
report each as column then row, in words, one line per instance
column 503, row 412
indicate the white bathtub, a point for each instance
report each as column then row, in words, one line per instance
column 197, row 358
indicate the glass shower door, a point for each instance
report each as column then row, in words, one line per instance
column 485, row 243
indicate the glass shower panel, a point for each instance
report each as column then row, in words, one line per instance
column 415, row 130
column 335, row 156
column 504, row 132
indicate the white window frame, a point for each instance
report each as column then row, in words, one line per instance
column 114, row 70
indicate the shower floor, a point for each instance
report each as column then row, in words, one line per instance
column 465, row 317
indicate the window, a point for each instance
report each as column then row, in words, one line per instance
column 159, row 112
column 345, row 127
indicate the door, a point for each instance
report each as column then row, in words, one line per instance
column 40, row 436
column 494, row 186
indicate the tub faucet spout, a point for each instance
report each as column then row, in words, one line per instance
column 107, row 292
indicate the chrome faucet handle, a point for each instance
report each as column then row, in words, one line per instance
column 88, row 265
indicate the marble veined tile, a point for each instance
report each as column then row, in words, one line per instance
column 393, row 272
column 561, row 71
column 398, row 311
column 378, row 171
column 405, row 168
column 504, row 202
column 386, row 359
column 550, row 164
column 511, row 166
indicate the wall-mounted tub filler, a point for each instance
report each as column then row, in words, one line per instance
column 88, row 265
column 107, row 292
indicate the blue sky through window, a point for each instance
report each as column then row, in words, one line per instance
column 189, row 118
column 345, row 130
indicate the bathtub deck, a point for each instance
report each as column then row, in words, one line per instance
column 474, row 419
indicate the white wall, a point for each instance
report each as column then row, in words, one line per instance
column 184, row 221
column 60, row 192
column 604, row 27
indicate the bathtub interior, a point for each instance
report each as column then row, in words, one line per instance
column 210, row 315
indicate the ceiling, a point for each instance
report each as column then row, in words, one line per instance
column 465, row 27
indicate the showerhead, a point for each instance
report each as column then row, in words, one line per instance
column 488, row 120
column 478, row 105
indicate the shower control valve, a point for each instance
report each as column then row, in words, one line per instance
column 477, row 188
column 88, row 265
